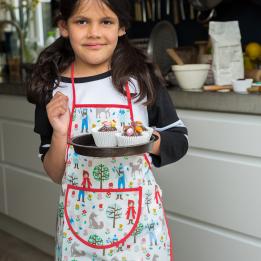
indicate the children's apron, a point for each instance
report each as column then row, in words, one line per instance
column 109, row 208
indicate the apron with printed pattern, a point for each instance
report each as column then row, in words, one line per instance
column 109, row 208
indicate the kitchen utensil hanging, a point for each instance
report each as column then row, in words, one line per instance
column 182, row 10
column 144, row 14
column 156, row 10
column 167, row 7
column 153, row 10
column 137, row 11
column 163, row 36
column 175, row 12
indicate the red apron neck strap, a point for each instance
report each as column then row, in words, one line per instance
column 129, row 100
column 73, row 86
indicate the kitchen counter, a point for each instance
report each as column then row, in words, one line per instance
column 12, row 88
column 205, row 101
column 216, row 101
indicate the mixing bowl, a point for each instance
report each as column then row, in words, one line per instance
column 191, row 77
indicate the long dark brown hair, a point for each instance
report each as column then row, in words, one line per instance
column 127, row 60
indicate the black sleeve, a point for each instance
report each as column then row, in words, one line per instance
column 43, row 128
column 163, row 116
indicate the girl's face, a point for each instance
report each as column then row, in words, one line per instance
column 93, row 30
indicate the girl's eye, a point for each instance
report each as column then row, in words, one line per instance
column 81, row 22
column 107, row 22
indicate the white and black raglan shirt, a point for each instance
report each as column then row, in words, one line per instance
column 162, row 115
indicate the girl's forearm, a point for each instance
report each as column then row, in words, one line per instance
column 54, row 160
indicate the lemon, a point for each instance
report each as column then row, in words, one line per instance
column 253, row 50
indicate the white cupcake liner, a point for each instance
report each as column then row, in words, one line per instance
column 125, row 141
column 104, row 138
column 149, row 131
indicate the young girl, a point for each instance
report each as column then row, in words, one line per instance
column 89, row 75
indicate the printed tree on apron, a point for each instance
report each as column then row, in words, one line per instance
column 115, row 212
column 148, row 199
column 137, row 231
column 101, row 173
column 97, row 241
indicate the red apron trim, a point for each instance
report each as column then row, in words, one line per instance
column 102, row 106
column 71, row 114
column 147, row 160
column 70, row 125
column 72, row 79
column 170, row 238
column 129, row 101
column 73, row 103
column 104, row 189
column 115, row 244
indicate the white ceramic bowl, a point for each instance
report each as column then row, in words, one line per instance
column 241, row 86
column 191, row 77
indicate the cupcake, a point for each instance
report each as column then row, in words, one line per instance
column 105, row 135
column 132, row 135
column 149, row 130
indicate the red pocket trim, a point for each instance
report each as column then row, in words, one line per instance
column 115, row 244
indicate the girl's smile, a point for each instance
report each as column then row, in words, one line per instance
column 94, row 46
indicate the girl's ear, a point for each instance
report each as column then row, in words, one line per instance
column 63, row 28
column 122, row 31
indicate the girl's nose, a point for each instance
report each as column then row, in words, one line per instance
column 94, row 30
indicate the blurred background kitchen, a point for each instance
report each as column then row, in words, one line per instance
column 213, row 71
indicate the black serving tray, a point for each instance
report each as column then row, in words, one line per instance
column 84, row 145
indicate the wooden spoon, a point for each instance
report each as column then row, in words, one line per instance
column 174, row 56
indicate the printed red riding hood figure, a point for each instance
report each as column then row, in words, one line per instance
column 131, row 212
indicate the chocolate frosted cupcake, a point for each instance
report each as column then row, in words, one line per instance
column 132, row 130
column 139, row 124
column 105, row 135
column 108, row 126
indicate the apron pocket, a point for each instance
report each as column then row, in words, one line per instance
column 102, row 218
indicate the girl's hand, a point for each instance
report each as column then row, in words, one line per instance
column 58, row 114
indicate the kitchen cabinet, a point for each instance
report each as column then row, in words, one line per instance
column 26, row 194
column 212, row 196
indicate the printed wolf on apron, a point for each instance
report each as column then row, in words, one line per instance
column 110, row 208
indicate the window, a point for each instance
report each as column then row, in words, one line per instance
column 42, row 21
column 40, row 18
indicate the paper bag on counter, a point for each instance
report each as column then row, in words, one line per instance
column 227, row 64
